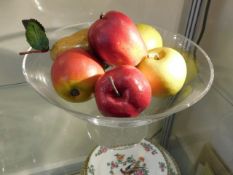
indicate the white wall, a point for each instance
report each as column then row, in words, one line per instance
column 32, row 132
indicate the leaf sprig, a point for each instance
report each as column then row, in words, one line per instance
column 35, row 36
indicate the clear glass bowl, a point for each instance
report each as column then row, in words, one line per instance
column 36, row 69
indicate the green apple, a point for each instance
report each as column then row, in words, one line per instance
column 150, row 36
column 165, row 69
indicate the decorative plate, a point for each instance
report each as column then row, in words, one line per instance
column 172, row 166
column 140, row 159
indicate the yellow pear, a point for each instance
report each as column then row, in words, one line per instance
column 77, row 39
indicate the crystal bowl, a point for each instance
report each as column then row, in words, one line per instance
column 200, row 75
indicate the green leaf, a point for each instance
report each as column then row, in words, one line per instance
column 35, row 35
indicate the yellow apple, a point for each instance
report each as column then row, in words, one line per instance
column 165, row 69
column 150, row 36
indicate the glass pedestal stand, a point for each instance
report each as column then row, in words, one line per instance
column 123, row 149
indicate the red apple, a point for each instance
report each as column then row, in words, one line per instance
column 115, row 38
column 74, row 74
column 122, row 92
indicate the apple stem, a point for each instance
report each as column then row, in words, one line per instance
column 114, row 86
column 154, row 56
column 101, row 15
column 33, row 51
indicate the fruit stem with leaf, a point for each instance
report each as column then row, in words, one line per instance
column 33, row 51
column 36, row 36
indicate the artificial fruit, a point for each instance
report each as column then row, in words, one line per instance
column 115, row 38
column 165, row 69
column 74, row 74
column 150, row 36
column 122, row 92
column 77, row 39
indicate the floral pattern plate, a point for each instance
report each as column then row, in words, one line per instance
column 141, row 159
column 172, row 166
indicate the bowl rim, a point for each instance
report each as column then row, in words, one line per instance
column 135, row 121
